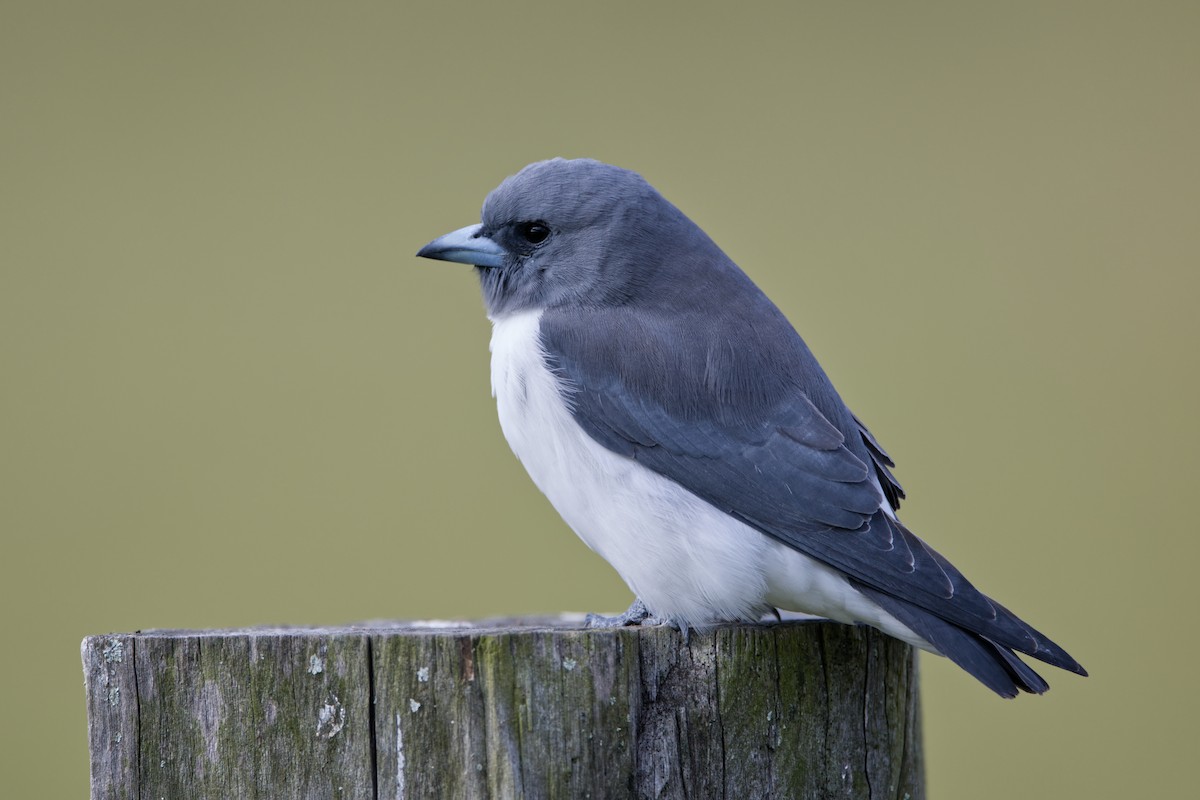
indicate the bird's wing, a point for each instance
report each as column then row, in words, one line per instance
column 732, row 415
column 883, row 465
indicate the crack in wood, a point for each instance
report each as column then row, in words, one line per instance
column 372, row 722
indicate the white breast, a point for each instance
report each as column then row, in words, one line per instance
column 685, row 559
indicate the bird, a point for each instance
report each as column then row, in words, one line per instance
column 682, row 428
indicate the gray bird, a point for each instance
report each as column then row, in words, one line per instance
column 684, row 430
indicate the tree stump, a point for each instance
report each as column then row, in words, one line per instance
column 532, row 708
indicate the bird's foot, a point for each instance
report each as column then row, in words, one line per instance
column 636, row 614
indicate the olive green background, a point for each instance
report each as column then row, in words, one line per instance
column 231, row 395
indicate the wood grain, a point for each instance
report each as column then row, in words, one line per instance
column 527, row 708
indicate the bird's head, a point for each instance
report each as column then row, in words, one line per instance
column 567, row 233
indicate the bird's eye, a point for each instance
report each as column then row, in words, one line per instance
column 534, row 232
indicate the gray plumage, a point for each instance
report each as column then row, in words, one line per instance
column 667, row 354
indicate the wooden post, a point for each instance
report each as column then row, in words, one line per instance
column 533, row 708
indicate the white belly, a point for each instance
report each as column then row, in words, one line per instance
column 688, row 561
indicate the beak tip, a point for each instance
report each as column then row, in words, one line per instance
column 465, row 246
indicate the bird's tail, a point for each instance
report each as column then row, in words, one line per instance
column 993, row 664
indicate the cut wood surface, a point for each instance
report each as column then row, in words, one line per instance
column 530, row 707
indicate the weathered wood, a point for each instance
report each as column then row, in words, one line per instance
column 515, row 708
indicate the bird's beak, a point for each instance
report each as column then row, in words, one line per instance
column 466, row 246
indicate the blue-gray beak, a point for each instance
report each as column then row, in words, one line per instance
column 466, row 246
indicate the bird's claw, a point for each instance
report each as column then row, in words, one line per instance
column 636, row 614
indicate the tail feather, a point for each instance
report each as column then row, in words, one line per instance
column 992, row 664
column 1024, row 676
